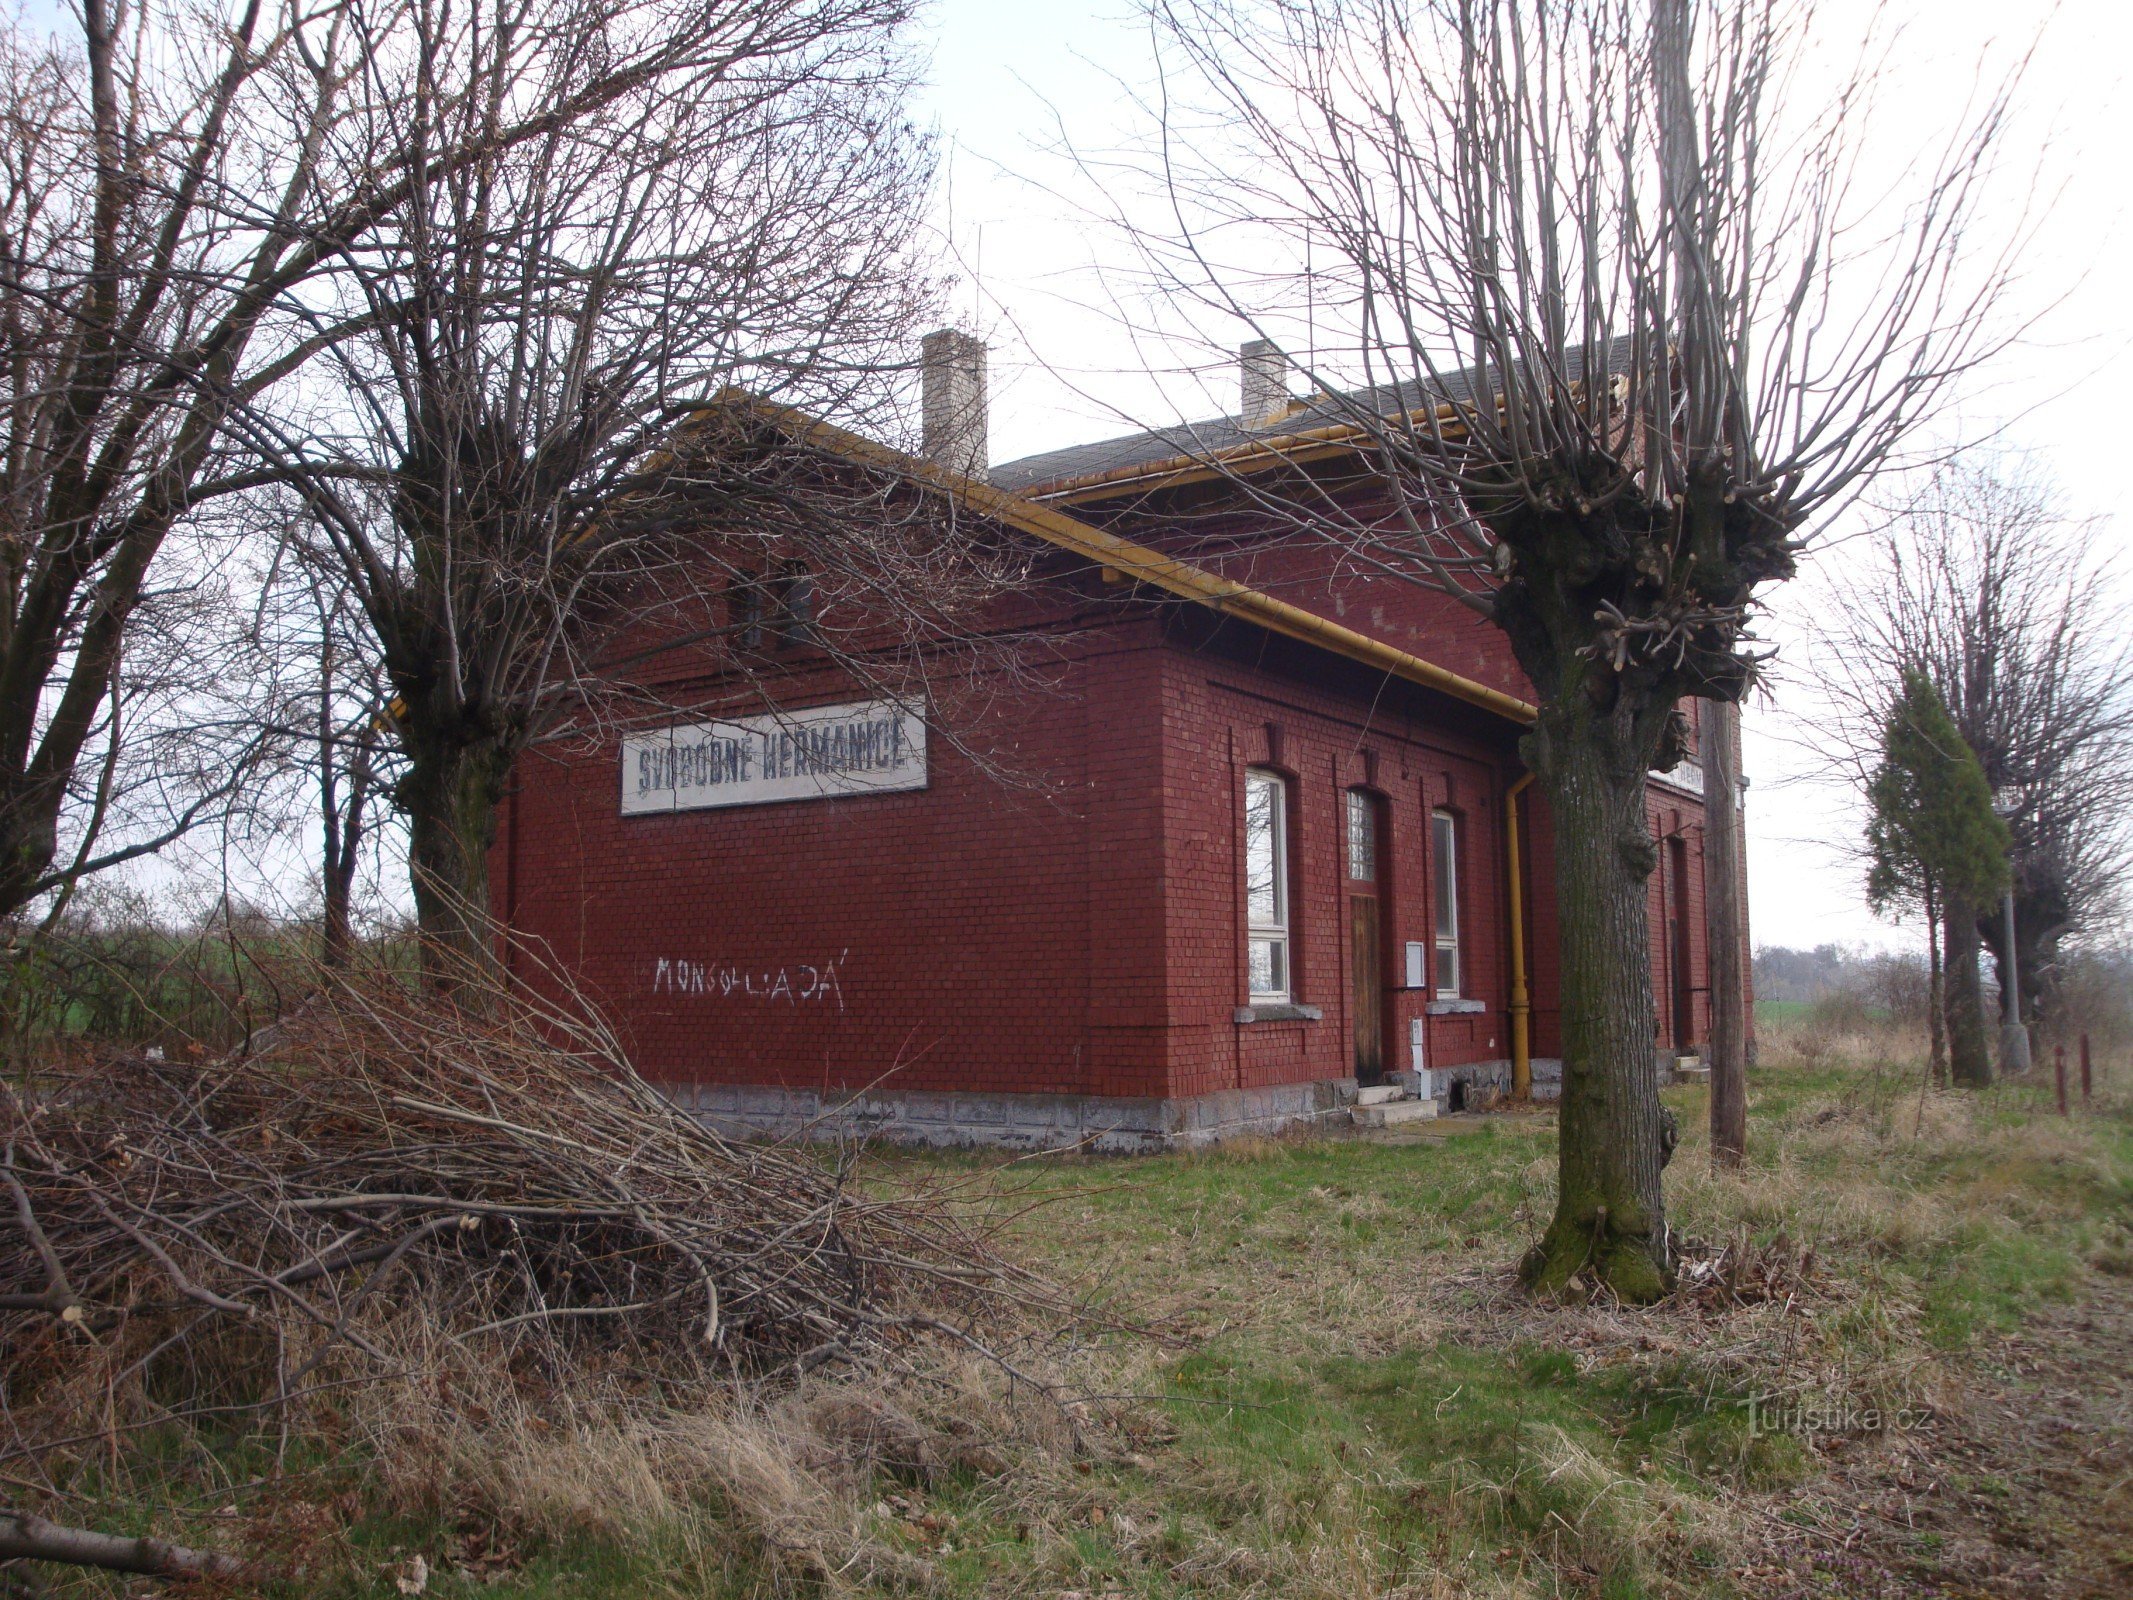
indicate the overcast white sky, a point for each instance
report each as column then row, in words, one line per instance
column 1007, row 78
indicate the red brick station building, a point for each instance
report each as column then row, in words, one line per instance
column 1283, row 855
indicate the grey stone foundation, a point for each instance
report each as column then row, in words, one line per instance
column 1669, row 1064
column 1454, row 1088
column 1102, row 1124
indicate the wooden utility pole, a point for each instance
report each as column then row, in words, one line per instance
column 1725, row 932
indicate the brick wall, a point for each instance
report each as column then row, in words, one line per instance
column 1203, row 525
column 1059, row 911
column 1326, row 734
column 938, row 938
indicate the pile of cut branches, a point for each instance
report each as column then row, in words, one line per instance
column 1730, row 1274
column 497, row 1166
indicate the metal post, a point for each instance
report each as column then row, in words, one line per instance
column 2014, row 1038
column 2059, row 1070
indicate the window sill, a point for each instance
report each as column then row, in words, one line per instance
column 1277, row 1011
column 1456, row 1008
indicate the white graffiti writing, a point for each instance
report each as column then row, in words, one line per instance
column 798, row 983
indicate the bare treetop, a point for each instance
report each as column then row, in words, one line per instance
column 1495, row 199
column 184, row 198
column 1599, row 299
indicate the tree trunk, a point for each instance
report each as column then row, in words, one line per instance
column 450, row 793
column 337, row 939
column 343, row 825
column 1610, row 1214
column 29, row 839
column 1723, row 932
column 1969, row 1048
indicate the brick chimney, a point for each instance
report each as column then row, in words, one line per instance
column 1263, row 372
column 952, row 401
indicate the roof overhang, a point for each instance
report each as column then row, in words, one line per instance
column 1140, row 564
column 1296, row 447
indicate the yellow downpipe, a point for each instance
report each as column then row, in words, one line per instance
column 1521, row 997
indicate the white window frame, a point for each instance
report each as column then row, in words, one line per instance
column 1444, row 890
column 1272, row 931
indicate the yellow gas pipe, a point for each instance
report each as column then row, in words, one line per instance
column 1521, row 998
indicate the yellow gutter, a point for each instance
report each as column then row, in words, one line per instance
column 1252, row 455
column 1152, row 567
column 1521, row 998
column 1291, row 449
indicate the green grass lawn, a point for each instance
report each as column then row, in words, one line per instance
column 1326, row 1384
column 1366, row 1406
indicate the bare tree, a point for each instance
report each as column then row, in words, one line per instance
column 1980, row 578
column 534, row 444
column 348, row 729
column 172, row 184
column 1593, row 297
column 324, row 703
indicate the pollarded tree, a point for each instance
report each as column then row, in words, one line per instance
column 175, row 181
column 1592, row 297
column 523, row 450
column 574, row 410
column 1934, row 841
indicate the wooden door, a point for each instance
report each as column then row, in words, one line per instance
column 1366, row 988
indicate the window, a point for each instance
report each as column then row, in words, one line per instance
column 795, row 597
column 1266, row 883
column 1362, row 837
column 1444, row 851
column 744, row 612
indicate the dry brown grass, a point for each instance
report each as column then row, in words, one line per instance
column 787, row 1476
column 1844, row 1034
column 467, row 1247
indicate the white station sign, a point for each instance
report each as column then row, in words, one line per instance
column 1685, row 774
column 865, row 747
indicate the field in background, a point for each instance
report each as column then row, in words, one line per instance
column 1845, row 988
column 1782, row 1013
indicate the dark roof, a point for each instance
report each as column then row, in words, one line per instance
column 1198, row 440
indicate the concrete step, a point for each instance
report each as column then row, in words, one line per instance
column 1692, row 1074
column 1380, row 1094
column 1392, row 1113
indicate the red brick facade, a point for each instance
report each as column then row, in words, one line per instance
column 1070, row 923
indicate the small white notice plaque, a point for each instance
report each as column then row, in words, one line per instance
column 1687, row 774
column 864, row 747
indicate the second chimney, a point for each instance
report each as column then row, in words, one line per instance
column 952, row 401
column 1263, row 372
